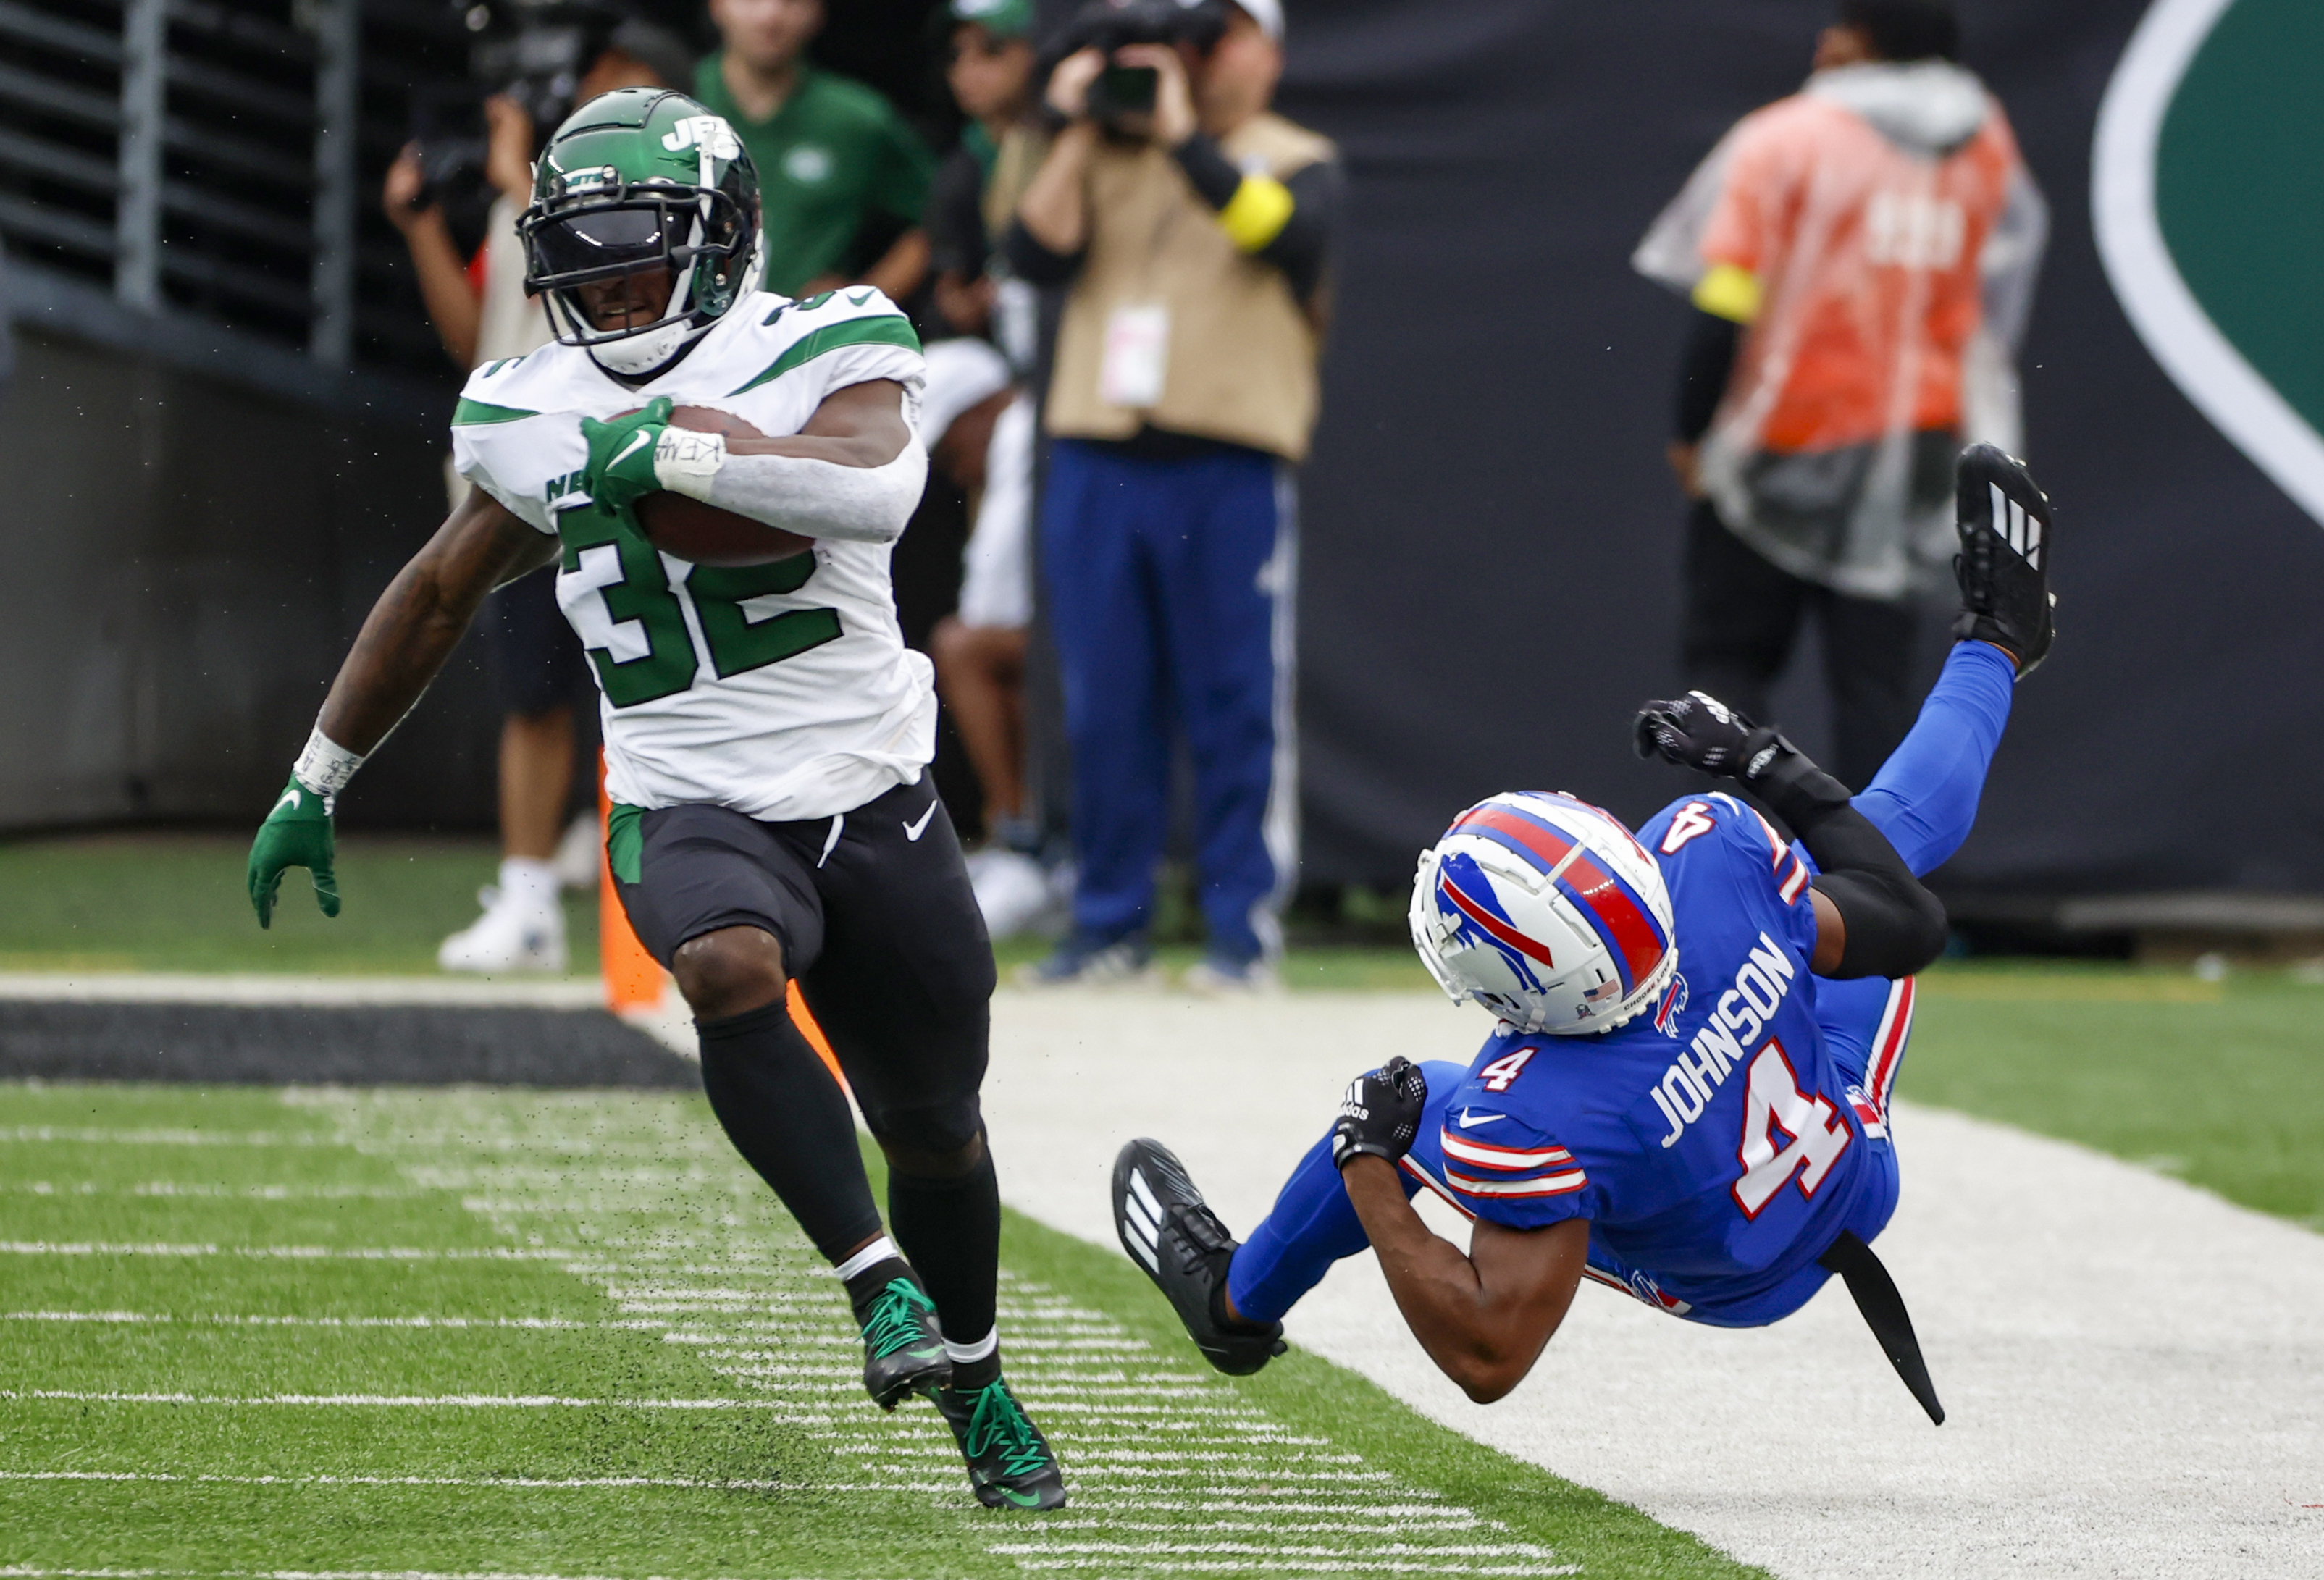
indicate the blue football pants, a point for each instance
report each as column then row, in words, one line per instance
column 1170, row 587
column 1925, row 799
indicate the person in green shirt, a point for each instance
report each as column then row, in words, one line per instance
column 835, row 162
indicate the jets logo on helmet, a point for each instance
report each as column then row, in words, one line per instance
column 1546, row 911
column 637, row 180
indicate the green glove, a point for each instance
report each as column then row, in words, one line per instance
column 620, row 470
column 296, row 834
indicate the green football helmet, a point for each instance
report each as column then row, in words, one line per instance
column 642, row 181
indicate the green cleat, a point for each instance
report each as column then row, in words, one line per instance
column 903, row 1348
column 1009, row 1465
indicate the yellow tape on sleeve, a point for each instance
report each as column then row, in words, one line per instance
column 1256, row 213
column 1728, row 291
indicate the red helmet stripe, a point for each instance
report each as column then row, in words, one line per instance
column 1495, row 925
column 1548, row 845
column 1626, row 924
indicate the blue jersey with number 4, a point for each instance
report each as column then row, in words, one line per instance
column 1714, row 1145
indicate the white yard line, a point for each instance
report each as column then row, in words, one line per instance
column 1146, row 1435
column 111, row 1248
column 2134, row 1369
column 132, row 1317
column 312, row 992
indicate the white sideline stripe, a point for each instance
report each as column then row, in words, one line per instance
column 559, row 1322
column 1396, row 1550
column 287, row 1252
column 717, row 1288
column 528, row 1483
column 30, row 1572
column 392, row 1401
column 165, row 1188
column 252, row 987
column 99, row 1135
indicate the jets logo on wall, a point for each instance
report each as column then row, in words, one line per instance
column 2200, row 192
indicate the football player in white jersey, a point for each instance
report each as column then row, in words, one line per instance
column 766, row 730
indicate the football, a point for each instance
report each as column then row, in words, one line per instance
column 705, row 534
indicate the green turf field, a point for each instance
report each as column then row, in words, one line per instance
column 2221, row 1084
column 465, row 1333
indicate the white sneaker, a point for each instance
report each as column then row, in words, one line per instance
column 1213, row 977
column 522, row 928
column 1013, row 893
column 578, row 853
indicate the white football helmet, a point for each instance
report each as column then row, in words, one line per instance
column 1546, row 911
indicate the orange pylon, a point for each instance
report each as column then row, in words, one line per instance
column 634, row 980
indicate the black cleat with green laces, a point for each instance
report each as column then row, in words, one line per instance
column 1009, row 1464
column 903, row 1347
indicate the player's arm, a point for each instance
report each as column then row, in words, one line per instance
column 404, row 641
column 1482, row 1317
column 855, row 470
column 1873, row 917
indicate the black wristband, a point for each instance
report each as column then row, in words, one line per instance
column 1208, row 170
column 1784, row 777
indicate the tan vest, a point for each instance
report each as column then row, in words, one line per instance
column 1240, row 360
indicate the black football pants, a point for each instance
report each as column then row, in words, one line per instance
column 880, row 929
column 1742, row 614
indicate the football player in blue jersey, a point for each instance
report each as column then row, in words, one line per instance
column 1686, row 1096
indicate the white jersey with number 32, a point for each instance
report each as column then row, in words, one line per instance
column 782, row 691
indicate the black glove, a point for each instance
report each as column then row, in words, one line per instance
column 1699, row 731
column 1696, row 730
column 1380, row 1115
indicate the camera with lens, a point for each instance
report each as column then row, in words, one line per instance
column 533, row 52
column 1121, row 92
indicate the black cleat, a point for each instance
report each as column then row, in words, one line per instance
column 1171, row 1232
column 903, row 1347
column 2004, row 564
column 1010, row 1462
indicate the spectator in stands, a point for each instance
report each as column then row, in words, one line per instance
column 979, row 649
column 1860, row 257
column 842, row 178
column 480, row 313
column 1193, row 236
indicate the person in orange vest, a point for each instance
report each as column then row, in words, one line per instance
column 1860, row 257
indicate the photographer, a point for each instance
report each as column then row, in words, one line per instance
column 480, row 313
column 1192, row 227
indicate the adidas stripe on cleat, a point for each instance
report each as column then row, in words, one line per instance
column 2005, row 529
column 1010, row 1464
column 903, row 1347
column 1171, row 1232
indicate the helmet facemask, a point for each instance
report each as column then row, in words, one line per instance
column 702, row 241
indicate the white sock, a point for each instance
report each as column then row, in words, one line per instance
column 870, row 1257
column 963, row 1354
column 529, row 883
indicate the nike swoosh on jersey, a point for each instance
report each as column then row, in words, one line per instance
column 857, row 301
column 1467, row 1118
column 913, row 830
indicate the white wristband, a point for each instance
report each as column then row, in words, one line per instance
column 686, row 461
column 324, row 768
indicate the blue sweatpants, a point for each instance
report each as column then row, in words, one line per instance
column 1925, row 799
column 1170, row 595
